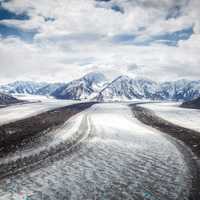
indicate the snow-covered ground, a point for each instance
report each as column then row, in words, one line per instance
column 39, row 105
column 33, row 98
column 121, row 159
column 185, row 117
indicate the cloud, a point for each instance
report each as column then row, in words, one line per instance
column 61, row 40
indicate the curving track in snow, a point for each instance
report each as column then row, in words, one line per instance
column 118, row 158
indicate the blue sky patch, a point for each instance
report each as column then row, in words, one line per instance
column 172, row 39
column 7, row 31
column 107, row 4
column 117, row 8
column 124, row 38
column 6, row 14
column 174, row 12
column 141, row 28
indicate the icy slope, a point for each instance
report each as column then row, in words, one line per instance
column 49, row 89
column 185, row 117
column 6, row 99
column 195, row 103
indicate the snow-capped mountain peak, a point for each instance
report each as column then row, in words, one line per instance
column 126, row 88
column 83, row 88
column 94, row 77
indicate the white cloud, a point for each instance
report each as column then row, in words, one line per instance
column 78, row 40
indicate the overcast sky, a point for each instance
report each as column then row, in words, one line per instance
column 60, row 40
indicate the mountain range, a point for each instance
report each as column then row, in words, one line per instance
column 97, row 87
column 22, row 87
column 126, row 88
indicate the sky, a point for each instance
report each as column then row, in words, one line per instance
column 61, row 40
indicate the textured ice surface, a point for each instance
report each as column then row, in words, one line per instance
column 185, row 117
column 121, row 159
